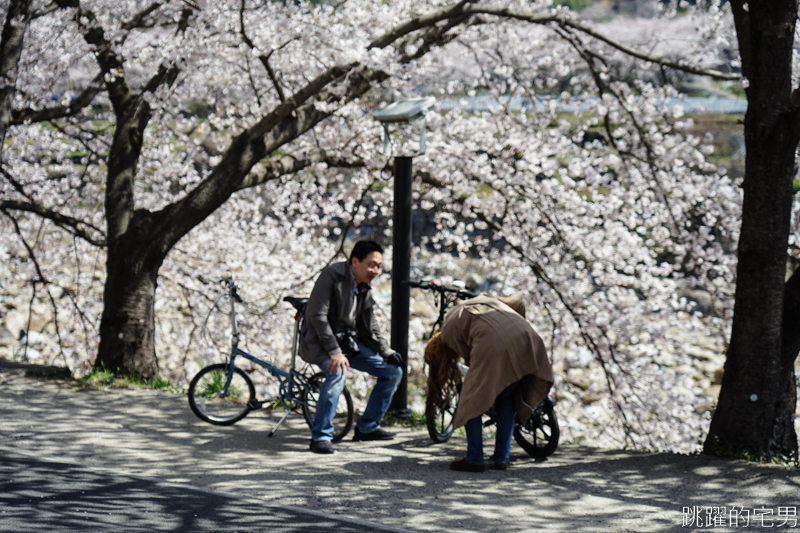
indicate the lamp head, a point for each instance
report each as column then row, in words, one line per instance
column 404, row 111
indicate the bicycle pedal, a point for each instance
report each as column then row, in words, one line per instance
column 254, row 404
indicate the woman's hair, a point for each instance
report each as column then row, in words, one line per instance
column 443, row 372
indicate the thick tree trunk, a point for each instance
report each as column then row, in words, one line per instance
column 757, row 397
column 127, row 329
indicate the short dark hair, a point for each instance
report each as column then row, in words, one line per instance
column 363, row 248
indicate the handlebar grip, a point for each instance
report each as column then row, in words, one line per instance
column 236, row 296
column 418, row 284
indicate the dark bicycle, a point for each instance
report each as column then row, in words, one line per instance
column 538, row 435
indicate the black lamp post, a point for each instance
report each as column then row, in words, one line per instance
column 402, row 112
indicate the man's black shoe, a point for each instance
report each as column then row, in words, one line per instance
column 378, row 434
column 321, row 446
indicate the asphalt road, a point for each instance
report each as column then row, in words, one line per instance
column 45, row 495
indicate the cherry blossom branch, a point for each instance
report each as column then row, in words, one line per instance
column 138, row 19
column 262, row 57
column 43, row 280
column 46, row 10
column 70, row 224
column 539, row 272
column 305, row 109
column 561, row 19
column 435, row 36
column 339, row 249
column 78, row 104
column 603, row 87
column 278, row 166
column 588, row 338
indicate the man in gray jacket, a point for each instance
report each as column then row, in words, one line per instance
column 339, row 332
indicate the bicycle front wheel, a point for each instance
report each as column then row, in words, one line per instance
column 213, row 403
column 342, row 420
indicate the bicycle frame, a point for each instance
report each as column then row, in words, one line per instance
column 289, row 381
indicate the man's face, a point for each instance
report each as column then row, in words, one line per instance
column 366, row 270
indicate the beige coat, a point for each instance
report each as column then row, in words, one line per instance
column 500, row 347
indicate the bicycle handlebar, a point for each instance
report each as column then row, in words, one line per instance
column 433, row 286
column 232, row 288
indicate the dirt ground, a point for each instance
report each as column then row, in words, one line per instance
column 404, row 483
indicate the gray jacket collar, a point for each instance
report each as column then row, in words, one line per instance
column 343, row 269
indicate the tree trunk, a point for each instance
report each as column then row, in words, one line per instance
column 127, row 328
column 754, row 412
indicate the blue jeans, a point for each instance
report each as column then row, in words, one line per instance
column 504, row 420
column 366, row 361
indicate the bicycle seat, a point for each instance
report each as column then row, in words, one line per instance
column 297, row 303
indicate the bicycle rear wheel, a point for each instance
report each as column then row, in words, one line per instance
column 539, row 434
column 342, row 420
column 440, row 420
column 212, row 403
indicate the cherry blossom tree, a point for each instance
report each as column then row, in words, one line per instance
column 757, row 403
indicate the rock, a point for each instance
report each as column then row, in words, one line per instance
column 703, row 300
column 718, row 376
column 422, row 308
column 589, row 398
column 16, row 322
column 577, row 378
column 55, row 291
column 704, row 407
column 472, row 281
column 664, row 359
column 700, row 353
column 31, row 354
column 38, row 322
column 585, row 357
column 33, row 338
column 712, row 391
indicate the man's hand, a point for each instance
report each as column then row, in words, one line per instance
column 395, row 359
column 337, row 362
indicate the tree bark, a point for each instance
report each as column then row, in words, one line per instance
column 127, row 327
column 756, row 402
column 784, row 436
column 17, row 20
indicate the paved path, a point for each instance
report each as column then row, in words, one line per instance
column 404, row 483
column 49, row 495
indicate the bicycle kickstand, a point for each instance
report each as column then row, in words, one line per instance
column 271, row 433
